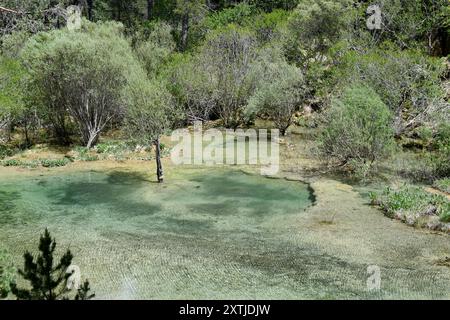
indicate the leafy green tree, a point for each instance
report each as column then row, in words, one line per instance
column 315, row 26
column 151, row 113
column 12, row 105
column 408, row 82
column 225, row 61
column 280, row 90
column 154, row 47
column 190, row 12
column 88, row 78
column 47, row 280
column 415, row 23
column 191, row 88
column 357, row 130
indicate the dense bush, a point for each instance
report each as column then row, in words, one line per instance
column 357, row 129
column 52, row 163
column 89, row 77
column 439, row 157
column 217, row 82
column 314, row 26
column 279, row 89
column 153, row 47
column 406, row 81
column 414, row 205
column 442, row 185
column 12, row 105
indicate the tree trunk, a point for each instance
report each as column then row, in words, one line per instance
column 90, row 7
column 150, row 4
column 159, row 168
column 90, row 138
column 184, row 31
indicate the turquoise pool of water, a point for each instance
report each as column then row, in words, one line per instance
column 203, row 234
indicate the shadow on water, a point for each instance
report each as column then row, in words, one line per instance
column 114, row 191
column 236, row 185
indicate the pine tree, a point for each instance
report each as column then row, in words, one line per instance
column 47, row 281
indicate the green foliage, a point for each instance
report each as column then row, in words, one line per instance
column 445, row 215
column 12, row 163
column 154, row 47
column 240, row 14
column 5, row 151
column 53, row 163
column 12, row 105
column 265, row 25
column 270, row 5
column 442, row 184
column 47, row 280
column 269, row 26
column 438, row 159
column 85, row 154
column 46, row 163
column 410, row 201
column 414, row 23
column 279, row 89
column 357, row 129
column 90, row 76
column 12, row 43
column 151, row 111
column 407, row 82
column 7, row 273
column 315, row 26
column 217, row 81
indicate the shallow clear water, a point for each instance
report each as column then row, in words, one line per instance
column 126, row 227
column 213, row 234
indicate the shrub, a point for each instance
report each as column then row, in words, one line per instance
column 217, row 81
column 411, row 203
column 279, row 90
column 439, row 156
column 154, row 49
column 408, row 82
column 313, row 27
column 357, row 130
column 239, row 14
column 12, row 163
column 5, row 151
column 95, row 68
column 443, row 185
column 53, row 163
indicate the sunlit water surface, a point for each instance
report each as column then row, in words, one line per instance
column 205, row 234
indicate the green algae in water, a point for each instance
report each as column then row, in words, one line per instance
column 203, row 234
